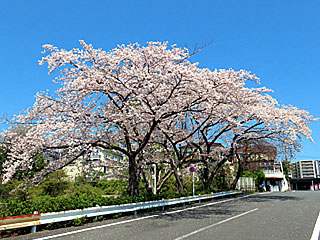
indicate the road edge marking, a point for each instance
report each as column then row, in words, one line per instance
column 215, row 224
column 96, row 227
column 316, row 230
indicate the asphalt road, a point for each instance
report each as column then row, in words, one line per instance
column 290, row 215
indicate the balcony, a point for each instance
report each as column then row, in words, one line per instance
column 273, row 174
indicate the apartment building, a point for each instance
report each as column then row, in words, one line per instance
column 305, row 169
column 305, row 175
column 317, row 167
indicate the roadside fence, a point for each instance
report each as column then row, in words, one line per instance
column 35, row 219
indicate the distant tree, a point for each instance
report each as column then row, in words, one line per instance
column 55, row 184
column 258, row 176
column 287, row 168
column 249, row 156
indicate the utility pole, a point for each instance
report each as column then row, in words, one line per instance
column 192, row 170
column 154, row 178
column 193, row 191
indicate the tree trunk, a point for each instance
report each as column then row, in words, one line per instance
column 162, row 180
column 177, row 176
column 205, row 177
column 133, row 177
column 215, row 169
column 179, row 182
column 146, row 183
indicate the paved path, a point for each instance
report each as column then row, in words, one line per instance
column 290, row 215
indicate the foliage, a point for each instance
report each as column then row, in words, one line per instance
column 55, row 184
column 3, row 158
column 258, row 176
column 39, row 162
column 56, row 194
column 170, row 186
column 198, row 185
column 11, row 190
column 116, row 186
column 43, row 204
column 287, row 168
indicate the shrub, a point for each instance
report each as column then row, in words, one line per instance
column 43, row 204
column 111, row 187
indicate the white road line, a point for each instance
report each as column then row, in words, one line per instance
column 204, row 205
column 212, row 203
column 97, row 227
column 137, row 219
column 316, row 230
column 215, row 224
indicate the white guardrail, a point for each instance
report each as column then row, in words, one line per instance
column 44, row 218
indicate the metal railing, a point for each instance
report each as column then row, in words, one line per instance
column 44, row 218
column 272, row 171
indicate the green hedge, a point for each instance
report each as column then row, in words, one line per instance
column 44, row 204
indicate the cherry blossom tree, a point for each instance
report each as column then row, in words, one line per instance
column 113, row 100
column 180, row 134
column 128, row 98
column 257, row 118
column 248, row 115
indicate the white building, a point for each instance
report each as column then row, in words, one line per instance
column 94, row 165
column 275, row 178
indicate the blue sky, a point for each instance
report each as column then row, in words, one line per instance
column 276, row 40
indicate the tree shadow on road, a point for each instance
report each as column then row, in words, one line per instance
column 201, row 213
column 223, row 210
column 270, row 197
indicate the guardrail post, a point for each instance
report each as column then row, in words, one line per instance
column 34, row 228
column 200, row 198
column 163, row 205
